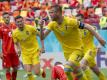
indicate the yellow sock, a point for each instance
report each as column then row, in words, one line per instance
column 101, row 76
column 30, row 76
column 87, row 72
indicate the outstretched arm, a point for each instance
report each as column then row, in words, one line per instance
column 92, row 30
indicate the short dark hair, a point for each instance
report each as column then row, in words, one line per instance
column 17, row 17
column 4, row 13
column 57, row 7
column 56, row 63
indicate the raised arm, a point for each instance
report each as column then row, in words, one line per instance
column 40, row 34
column 43, row 32
column 92, row 30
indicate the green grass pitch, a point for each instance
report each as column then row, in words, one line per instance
column 21, row 74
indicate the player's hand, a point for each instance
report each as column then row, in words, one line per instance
column 1, row 55
column 42, row 50
column 102, row 42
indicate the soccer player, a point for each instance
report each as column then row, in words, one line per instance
column 58, row 72
column 26, row 44
column 90, row 51
column 67, row 31
column 8, row 55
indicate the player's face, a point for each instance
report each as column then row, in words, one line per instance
column 20, row 23
column 54, row 14
column 6, row 18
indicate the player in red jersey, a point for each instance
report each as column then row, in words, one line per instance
column 8, row 55
column 58, row 72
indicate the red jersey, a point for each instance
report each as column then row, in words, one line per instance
column 58, row 73
column 6, row 36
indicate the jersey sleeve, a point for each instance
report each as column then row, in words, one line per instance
column 50, row 25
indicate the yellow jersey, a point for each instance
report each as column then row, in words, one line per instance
column 27, row 39
column 68, row 34
column 88, row 40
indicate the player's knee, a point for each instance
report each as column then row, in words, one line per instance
column 83, row 67
column 15, row 69
column 84, row 61
column 37, row 72
column 83, row 64
column 7, row 69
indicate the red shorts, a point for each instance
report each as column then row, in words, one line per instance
column 10, row 60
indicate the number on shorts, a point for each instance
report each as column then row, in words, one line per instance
column 79, row 57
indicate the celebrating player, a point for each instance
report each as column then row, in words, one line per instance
column 90, row 52
column 24, row 37
column 67, row 31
